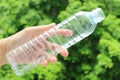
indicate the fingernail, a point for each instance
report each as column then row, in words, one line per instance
column 52, row 24
column 44, row 63
column 54, row 60
column 64, row 53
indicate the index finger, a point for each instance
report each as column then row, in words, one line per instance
column 58, row 32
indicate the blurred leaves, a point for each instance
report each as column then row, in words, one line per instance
column 97, row 57
column 105, row 61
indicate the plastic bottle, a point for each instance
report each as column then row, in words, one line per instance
column 82, row 24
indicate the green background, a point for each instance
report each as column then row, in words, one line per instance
column 97, row 57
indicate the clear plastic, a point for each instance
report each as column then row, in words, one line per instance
column 82, row 24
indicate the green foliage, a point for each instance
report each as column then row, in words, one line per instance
column 18, row 14
column 47, row 73
column 97, row 57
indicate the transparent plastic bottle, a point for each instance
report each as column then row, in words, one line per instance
column 82, row 24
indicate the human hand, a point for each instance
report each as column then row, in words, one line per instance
column 29, row 33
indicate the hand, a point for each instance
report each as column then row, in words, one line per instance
column 28, row 34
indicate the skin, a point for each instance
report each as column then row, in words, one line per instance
column 27, row 34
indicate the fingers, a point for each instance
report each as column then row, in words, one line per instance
column 62, row 32
column 57, row 48
column 44, row 63
column 50, row 58
column 58, row 32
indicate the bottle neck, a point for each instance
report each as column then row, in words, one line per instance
column 97, row 15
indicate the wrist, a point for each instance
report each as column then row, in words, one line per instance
column 3, row 50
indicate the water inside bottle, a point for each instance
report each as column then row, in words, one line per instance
column 81, row 27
